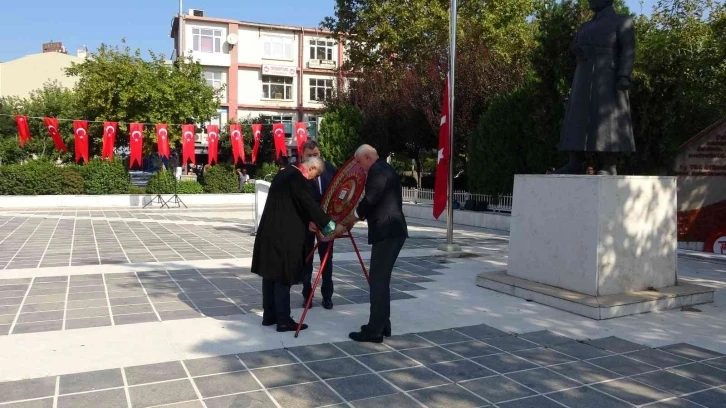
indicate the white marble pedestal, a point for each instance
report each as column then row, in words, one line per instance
column 599, row 246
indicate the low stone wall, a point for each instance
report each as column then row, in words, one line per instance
column 490, row 220
column 124, row 200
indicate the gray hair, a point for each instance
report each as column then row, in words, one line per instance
column 366, row 150
column 315, row 161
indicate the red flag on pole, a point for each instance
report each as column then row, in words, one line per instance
column 301, row 136
column 442, row 159
column 237, row 142
column 52, row 125
column 213, row 143
column 278, row 132
column 109, row 139
column 257, row 134
column 188, row 153
column 23, row 129
column 80, row 130
column 136, row 143
column 162, row 140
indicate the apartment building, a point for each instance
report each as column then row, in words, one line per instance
column 281, row 72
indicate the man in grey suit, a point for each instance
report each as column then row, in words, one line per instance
column 382, row 207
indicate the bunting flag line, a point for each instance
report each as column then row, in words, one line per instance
column 52, row 125
column 212, row 143
column 301, row 136
column 23, row 129
column 257, row 135
column 278, row 134
column 188, row 145
column 80, row 147
column 136, row 143
column 162, row 140
column 109, row 140
column 441, row 191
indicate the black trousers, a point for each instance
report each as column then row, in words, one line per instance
column 327, row 287
column 276, row 301
column 383, row 257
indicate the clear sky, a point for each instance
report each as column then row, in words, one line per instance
column 26, row 24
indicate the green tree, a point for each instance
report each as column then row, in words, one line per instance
column 340, row 134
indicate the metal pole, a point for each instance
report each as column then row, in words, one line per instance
column 452, row 68
column 181, row 31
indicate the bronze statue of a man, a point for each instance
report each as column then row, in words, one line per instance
column 598, row 114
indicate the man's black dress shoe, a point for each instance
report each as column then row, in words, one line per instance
column 365, row 337
column 328, row 304
column 290, row 326
column 386, row 330
column 269, row 322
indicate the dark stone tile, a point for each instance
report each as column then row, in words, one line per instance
column 361, row 387
column 714, row 398
column 154, row 372
column 581, row 351
column 305, row 395
column 90, row 381
column 504, row 363
column 27, row 389
column 284, row 375
column 497, row 389
column 132, row 309
column 41, row 307
column 161, row 393
column 262, row 359
column 106, row 399
column 41, row 316
column 717, row 362
column 622, row 365
column 135, row 318
column 690, row 351
column 213, row 365
column 481, row 332
column 543, row 380
column 38, row 327
column 84, row 313
column 4, row 329
column 223, row 384
column 179, row 315
column 336, row 368
column 615, row 344
column 41, row 403
column 355, row 348
column 138, row 300
column 544, row 356
column 414, row 378
column 188, row 404
column 657, row 358
column 675, row 403
column 510, row 343
column 446, row 396
column 585, row 397
column 444, row 336
column 401, row 296
column 387, row 361
column 406, row 341
column 431, row 355
column 531, row 402
column 670, row 382
column 703, row 373
column 88, row 323
column 632, row 391
column 393, row 400
column 7, row 319
column 316, row 352
column 461, row 370
column 545, row 338
column 257, row 399
column 471, row 349
column 221, row 311
column 584, row 372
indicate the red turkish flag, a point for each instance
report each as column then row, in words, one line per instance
column 80, row 130
column 278, row 133
column 188, row 153
column 236, row 139
column 257, row 134
column 441, row 190
column 301, row 136
column 52, row 125
column 213, row 143
column 136, row 143
column 162, row 140
column 23, row 129
column 109, row 139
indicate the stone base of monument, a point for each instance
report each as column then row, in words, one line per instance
column 597, row 246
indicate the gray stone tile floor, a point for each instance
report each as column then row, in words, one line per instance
column 81, row 301
column 462, row 367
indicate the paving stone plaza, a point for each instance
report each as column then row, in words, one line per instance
column 157, row 308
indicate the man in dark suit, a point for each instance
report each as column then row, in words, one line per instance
column 382, row 207
column 318, row 186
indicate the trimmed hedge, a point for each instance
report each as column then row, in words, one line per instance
column 189, row 187
column 221, row 179
column 40, row 178
column 162, row 182
column 104, row 177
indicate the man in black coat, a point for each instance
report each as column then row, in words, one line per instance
column 318, row 186
column 279, row 251
column 382, row 207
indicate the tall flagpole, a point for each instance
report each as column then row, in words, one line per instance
column 452, row 81
column 181, row 31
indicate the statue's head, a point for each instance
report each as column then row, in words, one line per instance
column 599, row 5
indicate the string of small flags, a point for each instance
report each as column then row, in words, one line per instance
column 136, row 130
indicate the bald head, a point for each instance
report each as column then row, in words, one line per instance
column 365, row 156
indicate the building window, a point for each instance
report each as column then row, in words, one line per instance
column 321, row 50
column 277, row 47
column 276, row 87
column 207, row 41
column 321, row 89
column 278, row 119
column 214, row 79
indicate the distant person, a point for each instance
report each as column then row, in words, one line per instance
column 243, row 178
column 590, row 171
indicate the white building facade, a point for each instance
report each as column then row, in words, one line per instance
column 283, row 73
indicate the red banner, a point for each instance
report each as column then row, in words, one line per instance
column 162, row 140
column 257, row 134
column 441, row 191
column 236, row 139
column 213, row 143
column 109, row 139
column 23, row 129
column 136, row 143
column 188, row 153
column 80, row 130
column 301, row 136
column 278, row 133
column 52, row 125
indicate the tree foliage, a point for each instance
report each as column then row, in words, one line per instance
column 340, row 134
